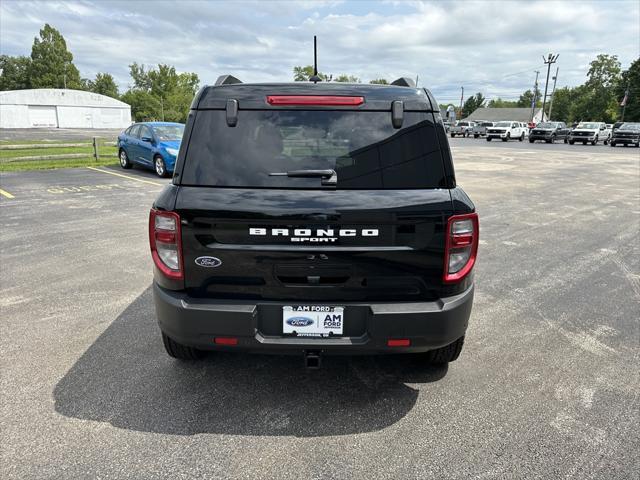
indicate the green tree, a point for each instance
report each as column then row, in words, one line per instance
column 563, row 99
column 630, row 79
column 472, row 103
column 104, row 84
column 51, row 63
column 144, row 106
column 596, row 100
column 500, row 103
column 527, row 97
column 344, row 78
column 303, row 74
column 14, row 72
column 160, row 93
column 379, row 81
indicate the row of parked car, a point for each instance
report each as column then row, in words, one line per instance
column 584, row 132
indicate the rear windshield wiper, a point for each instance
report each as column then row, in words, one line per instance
column 329, row 177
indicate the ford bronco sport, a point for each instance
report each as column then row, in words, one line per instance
column 314, row 218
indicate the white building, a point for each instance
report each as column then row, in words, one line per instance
column 61, row 108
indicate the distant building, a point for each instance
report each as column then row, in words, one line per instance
column 61, row 108
column 512, row 114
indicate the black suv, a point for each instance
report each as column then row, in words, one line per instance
column 549, row 132
column 314, row 218
column 626, row 134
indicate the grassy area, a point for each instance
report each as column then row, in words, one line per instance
column 10, row 159
column 62, row 163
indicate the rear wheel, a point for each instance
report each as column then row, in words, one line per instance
column 488, row 139
column 446, row 354
column 161, row 169
column 531, row 140
column 476, row 135
column 179, row 351
column 453, row 135
column 124, row 159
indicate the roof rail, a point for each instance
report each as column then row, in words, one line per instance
column 226, row 80
column 404, row 82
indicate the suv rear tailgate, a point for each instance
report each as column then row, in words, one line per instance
column 314, row 244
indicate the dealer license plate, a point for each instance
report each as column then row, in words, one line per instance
column 312, row 320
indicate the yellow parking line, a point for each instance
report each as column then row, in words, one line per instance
column 126, row 176
column 4, row 193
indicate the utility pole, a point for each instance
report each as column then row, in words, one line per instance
column 555, row 79
column 551, row 59
column 535, row 96
column 461, row 99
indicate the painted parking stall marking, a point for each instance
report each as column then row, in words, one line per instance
column 126, row 176
column 6, row 194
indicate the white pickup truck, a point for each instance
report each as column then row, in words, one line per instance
column 589, row 132
column 506, row 131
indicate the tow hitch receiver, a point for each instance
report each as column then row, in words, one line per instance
column 312, row 359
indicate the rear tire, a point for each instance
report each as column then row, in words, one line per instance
column 179, row 351
column 531, row 140
column 446, row 354
column 453, row 135
column 488, row 139
column 476, row 135
column 124, row 159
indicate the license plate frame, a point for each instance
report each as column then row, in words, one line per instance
column 319, row 321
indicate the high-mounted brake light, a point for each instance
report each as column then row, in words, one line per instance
column 461, row 246
column 166, row 244
column 326, row 100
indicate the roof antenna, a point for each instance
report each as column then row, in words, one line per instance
column 315, row 78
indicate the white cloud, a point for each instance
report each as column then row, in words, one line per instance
column 480, row 45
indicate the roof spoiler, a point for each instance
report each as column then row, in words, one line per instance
column 227, row 80
column 404, row 82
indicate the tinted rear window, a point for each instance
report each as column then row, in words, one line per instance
column 362, row 147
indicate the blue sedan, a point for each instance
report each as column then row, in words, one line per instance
column 152, row 145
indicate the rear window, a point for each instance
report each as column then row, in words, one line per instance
column 363, row 148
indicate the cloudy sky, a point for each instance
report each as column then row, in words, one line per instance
column 492, row 47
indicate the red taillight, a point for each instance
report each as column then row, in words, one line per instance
column 461, row 246
column 165, row 241
column 398, row 342
column 335, row 100
column 231, row 341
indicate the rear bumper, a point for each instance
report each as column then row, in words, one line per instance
column 196, row 322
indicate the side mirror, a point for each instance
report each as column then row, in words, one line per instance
column 147, row 139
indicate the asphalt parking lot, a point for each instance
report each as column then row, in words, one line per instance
column 547, row 386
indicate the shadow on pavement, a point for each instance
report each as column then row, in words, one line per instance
column 125, row 378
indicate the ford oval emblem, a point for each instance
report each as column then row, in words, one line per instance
column 208, row 262
column 300, row 321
